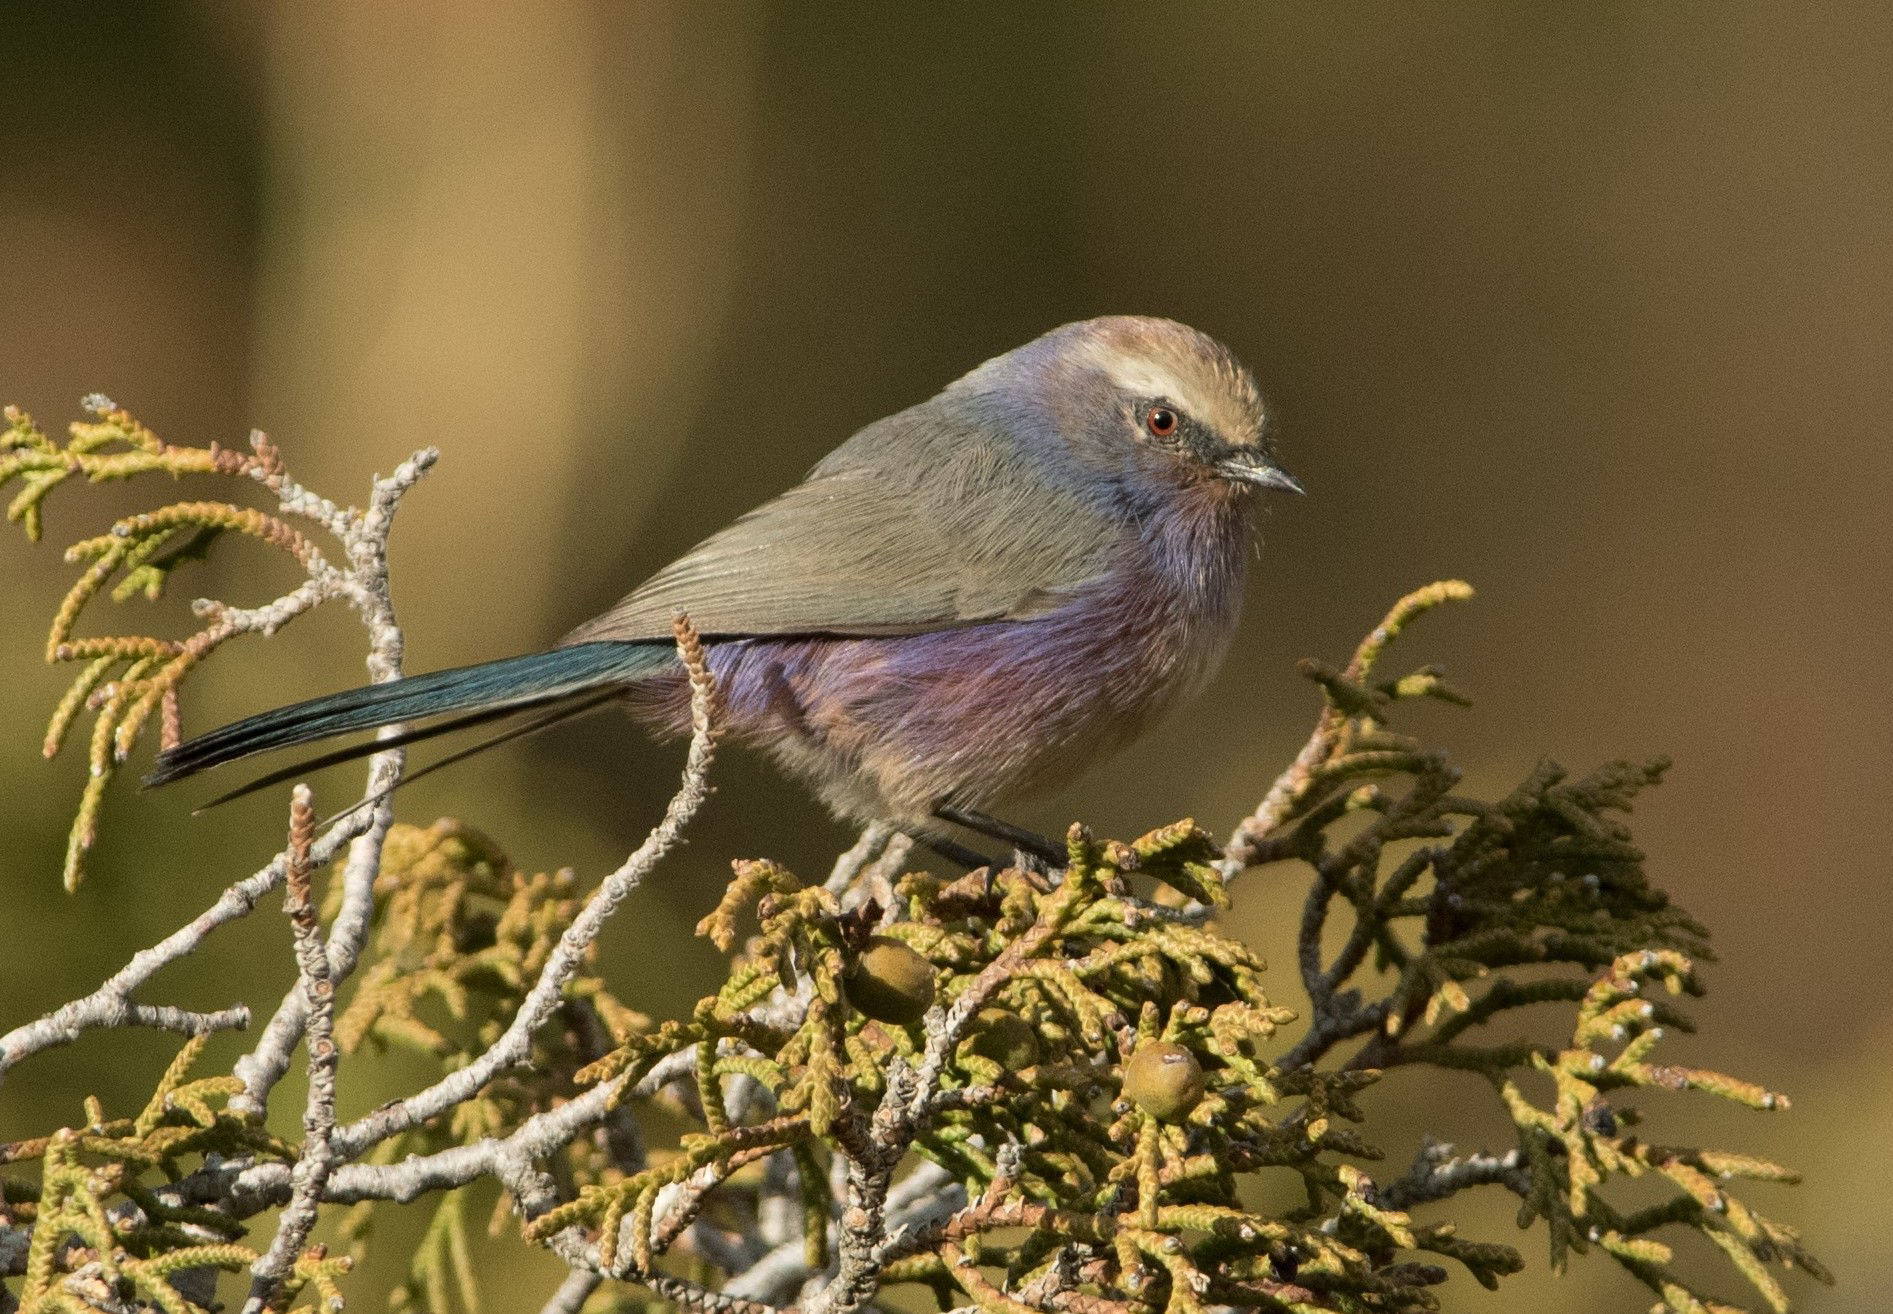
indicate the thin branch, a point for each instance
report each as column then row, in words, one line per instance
column 773, row 1278
column 317, row 1159
column 250, row 1188
column 870, row 846
column 514, row 1045
column 110, row 1005
column 364, row 539
column 1247, row 843
column 573, row 1292
column 1436, row 1173
column 1244, row 847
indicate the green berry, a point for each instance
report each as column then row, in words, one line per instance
column 1006, row 1038
column 890, row 982
column 1164, row 1080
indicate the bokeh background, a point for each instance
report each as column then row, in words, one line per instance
column 1591, row 305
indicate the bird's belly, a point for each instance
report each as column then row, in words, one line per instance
column 893, row 727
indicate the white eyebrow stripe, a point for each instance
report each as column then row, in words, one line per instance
column 1140, row 376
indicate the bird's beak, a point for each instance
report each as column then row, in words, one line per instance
column 1249, row 467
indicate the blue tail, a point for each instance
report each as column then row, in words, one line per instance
column 476, row 693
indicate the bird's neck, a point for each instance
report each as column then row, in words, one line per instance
column 1198, row 547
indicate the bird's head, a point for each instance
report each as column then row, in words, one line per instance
column 1147, row 399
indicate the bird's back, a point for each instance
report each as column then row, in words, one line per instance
column 921, row 521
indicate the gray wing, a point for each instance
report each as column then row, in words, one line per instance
column 909, row 526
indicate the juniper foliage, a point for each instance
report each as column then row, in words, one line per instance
column 1026, row 1091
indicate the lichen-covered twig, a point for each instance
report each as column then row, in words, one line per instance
column 111, row 1005
column 1438, row 1173
column 572, row 1294
column 365, row 538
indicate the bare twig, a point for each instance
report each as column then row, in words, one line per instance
column 110, row 1005
column 317, row 1159
column 1437, row 1173
column 365, row 538
column 1246, row 846
column 515, row 1044
column 573, row 1292
column 248, row 1188
column 365, row 586
column 923, row 1197
column 773, row 1278
column 867, row 849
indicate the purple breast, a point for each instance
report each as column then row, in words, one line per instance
column 890, row 727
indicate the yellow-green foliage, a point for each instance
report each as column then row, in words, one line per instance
column 1159, row 1204
column 127, row 679
column 1576, row 1145
column 1467, row 923
column 1091, row 968
column 459, row 939
column 104, row 1226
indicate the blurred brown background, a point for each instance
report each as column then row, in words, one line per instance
column 1592, row 305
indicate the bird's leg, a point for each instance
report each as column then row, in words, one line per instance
column 1028, row 842
column 971, row 859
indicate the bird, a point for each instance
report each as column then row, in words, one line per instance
column 966, row 603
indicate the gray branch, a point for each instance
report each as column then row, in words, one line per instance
column 364, row 539
column 515, row 1045
column 317, row 988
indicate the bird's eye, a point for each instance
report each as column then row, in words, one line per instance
column 1161, row 421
